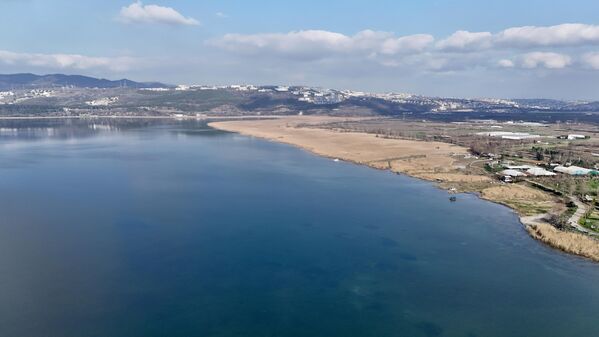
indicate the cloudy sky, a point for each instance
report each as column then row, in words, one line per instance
column 466, row 48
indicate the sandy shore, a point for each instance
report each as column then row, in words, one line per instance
column 420, row 159
column 433, row 161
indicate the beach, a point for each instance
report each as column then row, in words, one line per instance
column 428, row 160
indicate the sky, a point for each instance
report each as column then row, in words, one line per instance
column 459, row 48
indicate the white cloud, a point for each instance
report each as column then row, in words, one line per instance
column 318, row 44
column 137, row 12
column 461, row 50
column 67, row 61
column 558, row 36
column 310, row 44
column 221, row 15
column 465, row 40
column 505, row 63
column 591, row 59
column 569, row 34
column 546, row 60
column 410, row 43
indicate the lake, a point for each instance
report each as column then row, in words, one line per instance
column 170, row 228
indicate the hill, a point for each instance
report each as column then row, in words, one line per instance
column 30, row 81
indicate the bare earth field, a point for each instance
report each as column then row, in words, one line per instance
column 527, row 200
column 429, row 160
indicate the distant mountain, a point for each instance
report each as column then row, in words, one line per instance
column 27, row 81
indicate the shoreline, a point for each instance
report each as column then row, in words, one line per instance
column 428, row 161
column 249, row 117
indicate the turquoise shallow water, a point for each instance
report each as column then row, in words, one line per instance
column 173, row 229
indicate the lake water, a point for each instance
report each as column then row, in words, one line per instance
column 135, row 228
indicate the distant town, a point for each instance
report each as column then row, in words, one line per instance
column 27, row 94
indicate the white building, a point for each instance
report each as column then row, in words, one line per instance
column 155, row 89
column 103, row 101
column 573, row 170
column 538, row 171
column 519, row 167
column 512, row 173
column 508, row 135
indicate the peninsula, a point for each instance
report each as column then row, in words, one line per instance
column 451, row 166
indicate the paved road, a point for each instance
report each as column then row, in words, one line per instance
column 573, row 221
column 477, row 161
column 580, row 211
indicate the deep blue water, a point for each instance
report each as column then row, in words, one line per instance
column 171, row 229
